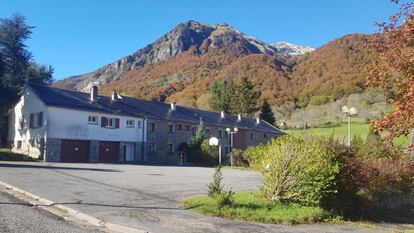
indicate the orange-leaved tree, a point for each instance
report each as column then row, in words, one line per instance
column 393, row 72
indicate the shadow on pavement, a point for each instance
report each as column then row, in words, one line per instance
column 57, row 167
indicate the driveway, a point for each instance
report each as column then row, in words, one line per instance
column 144, row 197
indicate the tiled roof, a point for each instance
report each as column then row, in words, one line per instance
column 142, row 108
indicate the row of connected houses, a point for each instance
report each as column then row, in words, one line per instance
column 67, row 126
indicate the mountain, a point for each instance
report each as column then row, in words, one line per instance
column 182, row 64
column 292, row 49
column 202, row 38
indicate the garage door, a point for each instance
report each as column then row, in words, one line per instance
column 108, row 152
column 74, row 151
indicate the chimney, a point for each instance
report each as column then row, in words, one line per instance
column 239, row 117
column 257, row 120
column 222, row 115
column 94, row 93
column 173, row 106
column 115, row 96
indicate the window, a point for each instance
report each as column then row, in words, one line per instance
column 139, row 124
column 19, row 144
column 170, row 128
column 252, row 136
column 193, row 130
column 112, row 123
column 152, row 126
column 220, row 133
column 188, row 127
column 170, row 148
column 226, row 134
column 152, row 147
column 36, row 120
column 130, row 123
column 207, row 130
column 265, row 135
column 179, row 127
column 92, row 120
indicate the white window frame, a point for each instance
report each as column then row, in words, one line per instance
column 111, row 123
column 130, row 123
column 92, row 122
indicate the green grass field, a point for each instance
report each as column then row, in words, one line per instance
column 251, row 206
column 340, row 131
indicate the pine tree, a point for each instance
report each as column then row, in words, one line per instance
column 266, row 113
column 216, row 187
column 222, row 93
column 245, row 99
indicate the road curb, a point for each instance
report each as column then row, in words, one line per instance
column 39, row 201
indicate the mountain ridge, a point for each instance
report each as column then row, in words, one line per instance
column 182, row 64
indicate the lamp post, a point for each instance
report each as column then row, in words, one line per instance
column 349, row 112
column 231, row 132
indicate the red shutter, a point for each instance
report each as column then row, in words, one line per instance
column 31, row 121
column 117, row 123
column 104, row 121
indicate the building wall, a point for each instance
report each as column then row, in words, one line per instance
column 26, row 140
column 73, row 124
column 161, row 138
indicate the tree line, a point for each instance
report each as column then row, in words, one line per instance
column 239, row 98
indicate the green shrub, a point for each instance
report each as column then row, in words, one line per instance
column 209, row 153
column 238, row 158
column 216, row 190
column 215, row 187
column 295, row 170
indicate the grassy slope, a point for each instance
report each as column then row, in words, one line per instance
column 340, row 131
column 251, row 206
column 7, row 155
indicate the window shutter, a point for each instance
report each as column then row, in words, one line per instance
column 40, row 119
column 117, row 123
column 104, row 121
column 31, row 121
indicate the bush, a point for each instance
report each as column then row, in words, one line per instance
column 319, row 100
column 238, row 158
column 296, row 171
column 215, row 187
column 209, row 154
column 216, row 190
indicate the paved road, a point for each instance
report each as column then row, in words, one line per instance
column 20, row 217
column 144, row 197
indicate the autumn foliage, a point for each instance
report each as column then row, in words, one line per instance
column 394, row 71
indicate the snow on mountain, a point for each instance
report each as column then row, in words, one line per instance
column 292, row 49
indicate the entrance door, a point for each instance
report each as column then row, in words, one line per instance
column 129, row 152
column 74, row 151
column 108, row 152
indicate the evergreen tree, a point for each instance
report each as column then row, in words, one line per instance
column 245, row 99
column 266, row 113
column 222, row 93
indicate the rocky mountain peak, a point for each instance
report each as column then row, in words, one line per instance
column 292, row 49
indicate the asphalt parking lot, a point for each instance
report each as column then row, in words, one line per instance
column 143, row 197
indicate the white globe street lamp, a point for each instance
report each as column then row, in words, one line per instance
column 349, row 112
column 231, row 132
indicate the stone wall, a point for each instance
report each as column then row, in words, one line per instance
column 52, row 151
column 93, row 151
column 161, row 137
column 34, row 148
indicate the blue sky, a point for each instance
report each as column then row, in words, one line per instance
column 79, row 36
